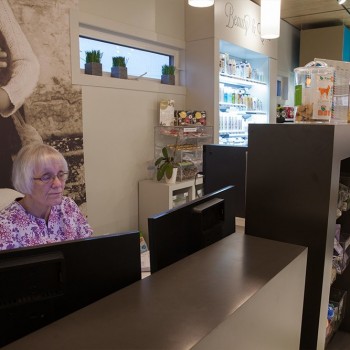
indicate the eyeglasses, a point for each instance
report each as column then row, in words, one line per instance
column 49, row 178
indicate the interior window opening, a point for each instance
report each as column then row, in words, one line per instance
column 140, row 62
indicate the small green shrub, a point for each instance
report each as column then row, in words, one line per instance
column 168, row 69
column 93, row 56
column 119, row 61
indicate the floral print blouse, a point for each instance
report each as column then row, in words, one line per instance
column 18, row 228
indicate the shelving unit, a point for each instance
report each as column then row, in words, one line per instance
column 189, row 141
column 156, row 197
column 342, row 281
column 338, row 301
column 242, row 98
column 239, row 81
column 293, row 176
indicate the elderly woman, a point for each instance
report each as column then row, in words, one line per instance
column 43, row 215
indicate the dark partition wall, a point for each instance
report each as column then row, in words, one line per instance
column 292, row 190
column 224, row 166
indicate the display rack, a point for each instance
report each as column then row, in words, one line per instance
column 242, row 98
column 188, row 142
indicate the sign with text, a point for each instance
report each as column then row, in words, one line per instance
column 238, row 22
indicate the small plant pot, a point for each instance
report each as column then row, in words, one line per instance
column 119, row 72
column 93, row 68
column 168, row 79
column 172, row 180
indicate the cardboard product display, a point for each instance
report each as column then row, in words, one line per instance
column 190, row 117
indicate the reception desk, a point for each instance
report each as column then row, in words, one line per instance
column 242, row 292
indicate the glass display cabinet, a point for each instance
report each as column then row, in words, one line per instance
column 185, row 143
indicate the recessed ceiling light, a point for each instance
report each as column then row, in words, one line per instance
column 201, row 3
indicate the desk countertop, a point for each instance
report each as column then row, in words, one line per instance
column 175, row 307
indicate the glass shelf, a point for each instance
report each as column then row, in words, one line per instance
column 238, row 81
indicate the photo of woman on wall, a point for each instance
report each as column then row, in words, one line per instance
column 38, row 101
column 19, row 74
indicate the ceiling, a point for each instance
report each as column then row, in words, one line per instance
column 307, row 14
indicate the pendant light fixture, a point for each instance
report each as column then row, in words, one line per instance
column 270, row 17
column 201, row 3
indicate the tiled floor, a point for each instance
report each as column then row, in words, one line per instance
column 340, row 341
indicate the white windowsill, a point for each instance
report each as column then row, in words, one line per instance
column 140, row 84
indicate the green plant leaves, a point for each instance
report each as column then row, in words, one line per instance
column 119, row 61
column 165, row 152
column 169, row 171
column 165, row 165
column 93, row 56
column 168, row 69
column 159, row 160
column 165, row 168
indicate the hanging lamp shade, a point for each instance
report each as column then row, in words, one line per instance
column 270, row 18
column 201, row 3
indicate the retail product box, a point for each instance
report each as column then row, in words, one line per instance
column 341, row 252
column 190, row 118
column 187, row 170
column 314, row 92
column 143, row 244
column 340, row 90
column 343, row 198
column 336, row 311
column 166, row 112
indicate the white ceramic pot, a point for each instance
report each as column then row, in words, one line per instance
column 172, row 180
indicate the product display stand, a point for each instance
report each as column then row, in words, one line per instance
column 185, row 143
column 156, row 197
column 292, row 192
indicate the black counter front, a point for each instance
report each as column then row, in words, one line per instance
column 242, row 290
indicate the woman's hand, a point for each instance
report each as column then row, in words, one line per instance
column 3, row 56
column 5, row 102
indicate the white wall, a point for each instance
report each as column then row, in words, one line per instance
column 288, row 58
column 118, row 120
column 164, row 17
column 310, row 46
column 118, row 142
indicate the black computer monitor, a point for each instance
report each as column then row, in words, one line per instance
column 185, row 229
column 41, row 284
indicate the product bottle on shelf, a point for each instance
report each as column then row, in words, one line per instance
column 242, row 93
column 221, row 92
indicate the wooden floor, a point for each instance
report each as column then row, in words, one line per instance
column 340, row 341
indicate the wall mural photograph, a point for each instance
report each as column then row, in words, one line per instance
column 37, row 98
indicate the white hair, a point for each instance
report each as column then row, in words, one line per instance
column 28, row 159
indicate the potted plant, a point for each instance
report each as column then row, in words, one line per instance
column 93, row 64
column 166, row 165
column 119, row 69
column 168, row 74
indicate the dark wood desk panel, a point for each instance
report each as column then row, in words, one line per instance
column 176, row 307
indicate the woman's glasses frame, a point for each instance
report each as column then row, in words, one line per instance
column 49, row 178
